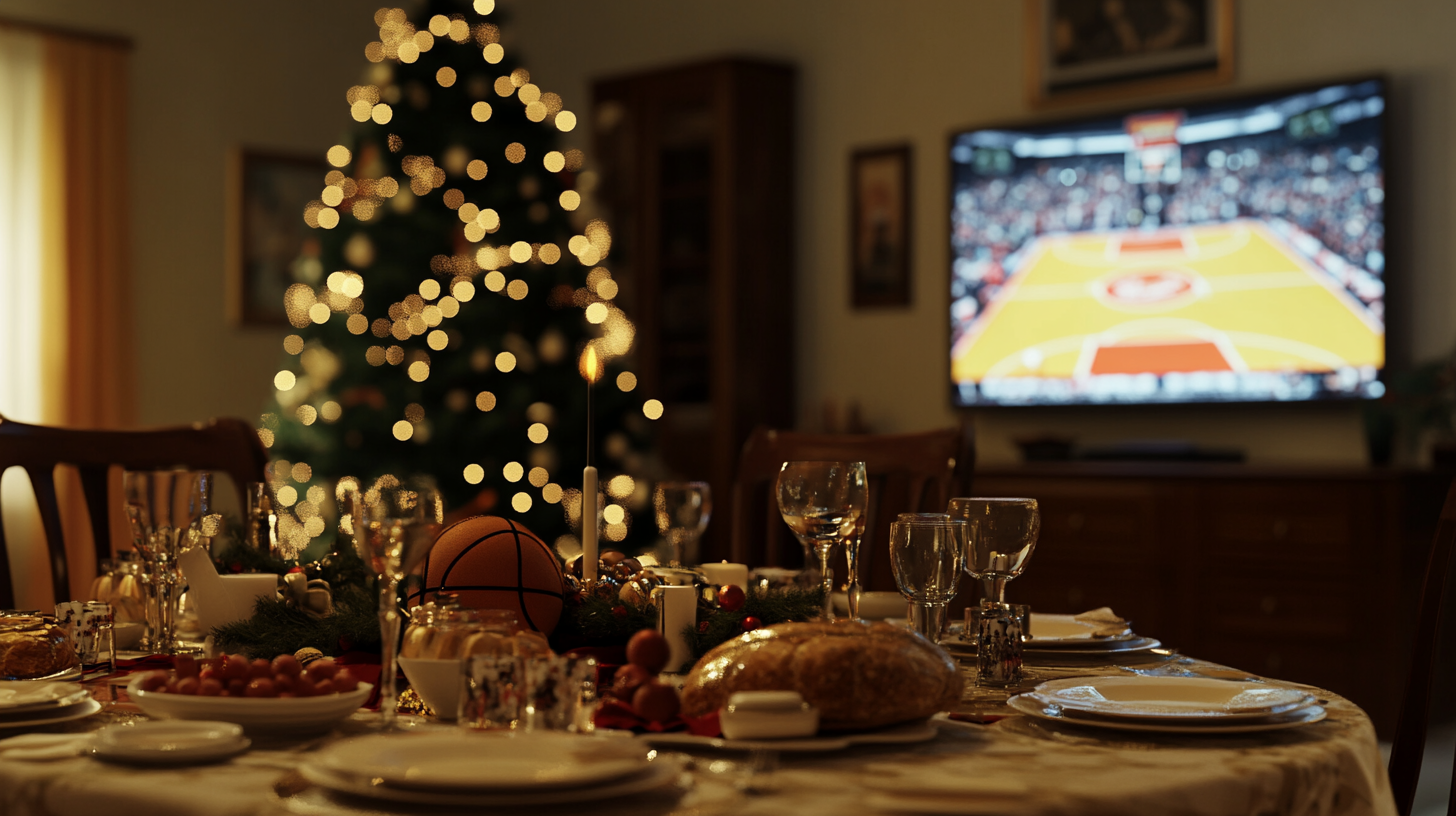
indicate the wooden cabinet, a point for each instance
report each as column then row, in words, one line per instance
column 697, row 181
column 1306, row 575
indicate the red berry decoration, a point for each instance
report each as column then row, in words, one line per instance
column 731, row 598
column 702, row 627
column 648, row 649
column 750, row 623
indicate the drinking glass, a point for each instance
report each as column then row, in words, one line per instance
column 397, row 522
column 1002, row 533
column 169, row 513
column 822, row 503
column 682, row 510
column 927, row 552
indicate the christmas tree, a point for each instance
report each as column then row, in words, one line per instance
column 454, row 289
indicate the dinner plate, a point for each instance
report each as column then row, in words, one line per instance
column 479, row 763
column 1156, row 698
column 1275, row 722
column 1090, row 649
column 31, row 695
column 918, row 731
column 257, row 715
column 658, row 772
column 78, row 711
column 169, row 742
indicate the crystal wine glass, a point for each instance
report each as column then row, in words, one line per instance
column 169, row 514
column 822, row 503
column 927, row 552
column 682, row 510
column 397, row 523
column 1002, row 533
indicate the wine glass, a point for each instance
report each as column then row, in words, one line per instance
column 1002, row 533
column 397, row 523
column 169, row 514
column 682, row 510
column 927, row 552
column 822, row 503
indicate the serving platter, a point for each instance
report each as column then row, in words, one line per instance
column 918, row 731
column 259, row 715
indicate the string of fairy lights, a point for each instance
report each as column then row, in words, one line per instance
column 362, row 192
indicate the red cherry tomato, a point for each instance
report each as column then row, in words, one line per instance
column 261, row 687
column 303, row 687
column 287, row 664
column 209, row 687
column 185, row 666
column 187, row 685
column 321, row 669
column 282, row 683
column 260, row 669
column 344, row 680
column 237, row 687
column 323, row 687
column 154, row 681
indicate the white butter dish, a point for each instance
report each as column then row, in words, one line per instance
column 768, row 715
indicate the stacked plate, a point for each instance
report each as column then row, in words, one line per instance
column 488, row 769
column 1176, row 705
column 25, row 703
column 169, row 742
column 1064, row 636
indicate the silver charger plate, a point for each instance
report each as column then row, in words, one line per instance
column 1278, row 722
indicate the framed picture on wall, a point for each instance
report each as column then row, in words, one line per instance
column 1094, row 50
column 879, row 183
column 269, row 246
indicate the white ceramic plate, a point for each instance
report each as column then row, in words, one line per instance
column 1275, row 722
column 293, row 715
column 1141, row 697
column 170, row 742
column 1090, row 649
column 918, row 731
column 478, row 763
column 658, row 772
column 30, row 695
column 79, row 711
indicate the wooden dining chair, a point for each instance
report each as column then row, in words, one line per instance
column 1410, row 732
column 228, row 446
column 913, row 472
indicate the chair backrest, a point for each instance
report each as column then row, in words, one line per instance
column 225, row 445
column 1410, row 733
column 914, row 472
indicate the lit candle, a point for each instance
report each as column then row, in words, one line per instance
column 590, row 371
column 724, row 574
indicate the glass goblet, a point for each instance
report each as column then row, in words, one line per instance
column 682, row 511
column 397, row 523
column 822, row 503
column 1001, row 536
column 926, row 554
column 169, row 512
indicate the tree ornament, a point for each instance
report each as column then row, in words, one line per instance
column 495, row 563
column 750, row 623
column 312, row 597
column 731, row 597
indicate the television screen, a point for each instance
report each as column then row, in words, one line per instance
column 1227, row 251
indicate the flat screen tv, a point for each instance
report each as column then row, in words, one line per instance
column 1229, row 251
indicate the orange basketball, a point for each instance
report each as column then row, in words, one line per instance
column 495, row 563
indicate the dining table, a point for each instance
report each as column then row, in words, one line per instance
column 983, row 758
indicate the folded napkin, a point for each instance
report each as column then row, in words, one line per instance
column 1105, row 623
column 43, row 747
column 28, row 692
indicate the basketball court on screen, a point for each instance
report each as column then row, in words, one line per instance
column 1224, row 297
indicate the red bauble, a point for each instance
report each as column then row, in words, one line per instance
column 648, row 649
column 655, row 702
column 495, row 563
column 750, row 623
column 731, row 597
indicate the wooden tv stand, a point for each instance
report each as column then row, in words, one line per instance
column 1305, row 574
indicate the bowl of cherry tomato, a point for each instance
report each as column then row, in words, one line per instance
column 278, row 695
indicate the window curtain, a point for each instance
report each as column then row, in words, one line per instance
column 65, row 340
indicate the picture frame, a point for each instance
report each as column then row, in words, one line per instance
column 269, row 245
column 880, row 226
column 1087, row 51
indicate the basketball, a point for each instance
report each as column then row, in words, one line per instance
column 495, row 563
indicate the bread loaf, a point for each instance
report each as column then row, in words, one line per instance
column 860, row 675
column 33, row 647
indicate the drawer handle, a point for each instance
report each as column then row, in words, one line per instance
column 1281, row 529
column 1268, row 604
column 1075, row 521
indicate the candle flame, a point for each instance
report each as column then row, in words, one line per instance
column 589, row 367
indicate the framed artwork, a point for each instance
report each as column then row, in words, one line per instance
column 269, row 246
column 879, row 183
column 1095, row 50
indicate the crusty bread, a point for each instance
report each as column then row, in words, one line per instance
column 33, row 647
column 860, row 675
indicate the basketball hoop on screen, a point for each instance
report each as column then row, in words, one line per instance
column 1155, row 155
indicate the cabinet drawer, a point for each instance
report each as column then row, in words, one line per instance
column 1280, row 523
column 1279, row 609
column 1076, row 529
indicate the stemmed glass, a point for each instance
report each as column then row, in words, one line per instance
column 822, row 503
column 397, row 523
column 682, row 510
column 169, row 514
column 1002, row 533
column 927, row 552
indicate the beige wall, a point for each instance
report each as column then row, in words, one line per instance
column 271, row 73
